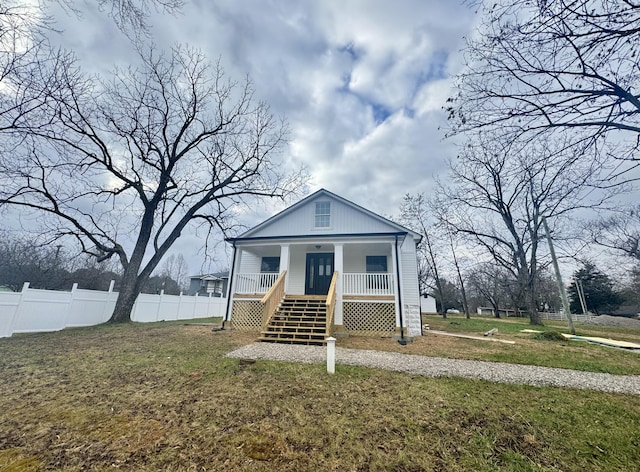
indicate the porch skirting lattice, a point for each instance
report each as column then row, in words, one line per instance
column 246, row 315
column 369, row 318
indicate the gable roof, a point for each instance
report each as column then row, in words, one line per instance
column 215, row 276
column 389, row 226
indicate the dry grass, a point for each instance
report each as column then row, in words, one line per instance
column 164, row 397
column 577, row 355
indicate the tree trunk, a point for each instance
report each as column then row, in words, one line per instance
column 532, row 308
column 126, row 298
column 464, row 303
column 130, row 287
column 496, row 312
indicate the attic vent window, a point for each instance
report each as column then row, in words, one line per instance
column 323, row 214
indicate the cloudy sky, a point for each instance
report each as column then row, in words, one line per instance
column 361, row 82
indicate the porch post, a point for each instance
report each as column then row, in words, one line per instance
column 338, row 262
column 396, row 283
column 231, row 285
column 236, row 271
column 284, row 264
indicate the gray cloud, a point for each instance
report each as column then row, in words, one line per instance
column 361, row 82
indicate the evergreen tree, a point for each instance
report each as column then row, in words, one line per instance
column 599, row 293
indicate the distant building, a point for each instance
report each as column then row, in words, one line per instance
column 214, row 284
column 428, row 304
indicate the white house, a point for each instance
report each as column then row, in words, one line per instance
column 321, row 267
column 428, row 304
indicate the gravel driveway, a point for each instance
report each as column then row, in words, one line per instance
column 440, row 367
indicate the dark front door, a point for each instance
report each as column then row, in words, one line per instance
column 319, row 273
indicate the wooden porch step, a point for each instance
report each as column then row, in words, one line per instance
column 298, row 320
column 301, row 311
column 302, row 307
column 285, row 321
column 284, row 317
column 309, row 330
column 307, row 342
column 303, row 320
column 294, row 336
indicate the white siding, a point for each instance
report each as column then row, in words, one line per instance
column 297, row 270
column 344, row 220
column 354, row 257
column 410, row 291
column 250, row 263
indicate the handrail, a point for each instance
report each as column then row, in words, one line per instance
column 331, row 303
column 272, row 298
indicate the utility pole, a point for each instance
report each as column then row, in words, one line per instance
column 580, row 290
column 563, row 292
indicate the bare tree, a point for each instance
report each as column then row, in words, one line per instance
column 415, row 214
column 27, row 62
column 23, row 260
column 463, row 291
column 175, row 267
column 130, row 16
column 30, row 67
column 620, row 232
column 124, row 166
column 491, row 282
column 562, row 67
column 549, row 298
column 501, row 191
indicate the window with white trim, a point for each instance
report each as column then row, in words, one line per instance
column 323, row 215
column 270, row 265
column 377, row 264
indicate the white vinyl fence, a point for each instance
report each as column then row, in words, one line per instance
column 488, row 311
column 34, row 310
column 563, row 317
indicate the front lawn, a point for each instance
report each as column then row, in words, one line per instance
column 162, row 396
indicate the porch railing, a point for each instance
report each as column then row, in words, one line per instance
column 272, row 298
column 331, row 303
column 371, row 283
column 255, row 283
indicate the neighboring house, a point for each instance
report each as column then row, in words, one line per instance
column 213, row 284
column 325, row 262
column 428, row 304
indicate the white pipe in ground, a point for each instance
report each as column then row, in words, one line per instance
column 331, row 355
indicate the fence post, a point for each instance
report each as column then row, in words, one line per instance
column 209, row 305
column 159, row 305
column 195, row 306
column 179, row 306
column 105, row 311
column 16, row 314
column 74, row 287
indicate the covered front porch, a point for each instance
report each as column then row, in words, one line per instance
column 356, row 279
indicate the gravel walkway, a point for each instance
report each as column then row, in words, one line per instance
column 440, row 367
